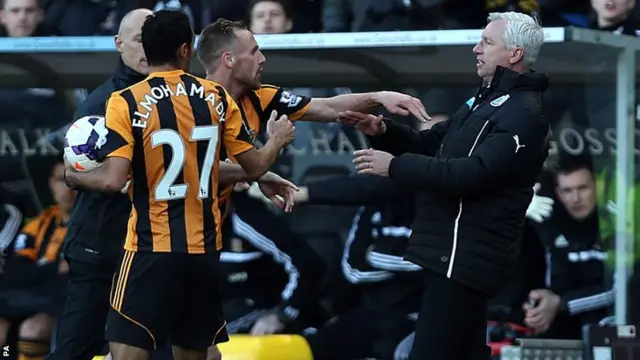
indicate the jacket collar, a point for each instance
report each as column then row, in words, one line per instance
column 506, row 80
column 126, row 76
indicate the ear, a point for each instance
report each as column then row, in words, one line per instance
column 516, row 56
column 288, row 25
column 117, row 40
column 228, row 59
column 184, row 51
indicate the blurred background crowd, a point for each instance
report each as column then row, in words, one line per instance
column 334, row 266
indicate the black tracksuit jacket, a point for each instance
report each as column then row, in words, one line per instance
column 98, row 223
column 474, row 176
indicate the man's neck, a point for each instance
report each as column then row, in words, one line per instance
column 222, row 77
column 162, row 68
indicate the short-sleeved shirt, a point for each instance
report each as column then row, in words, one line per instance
column 173, row 127
column 256, row 107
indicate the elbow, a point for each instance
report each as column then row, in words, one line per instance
column 257, row 171
column 113, row 184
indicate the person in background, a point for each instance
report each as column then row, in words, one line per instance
column 32, row 290
column 98, row 221
column 381, row 15
column 10, row 224
column 268, row 274
column 615, row 16
column 270, row 16
column 578, row 290
column 23, row 18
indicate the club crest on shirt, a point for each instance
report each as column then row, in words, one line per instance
column 290, row 99
column 499, row 101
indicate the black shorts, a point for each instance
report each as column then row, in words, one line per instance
column 160, row 297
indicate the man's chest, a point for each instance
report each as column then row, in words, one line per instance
column 252, row 118
column 470, row 125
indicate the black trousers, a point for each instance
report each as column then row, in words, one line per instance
column 81, row 327
column 452, row 322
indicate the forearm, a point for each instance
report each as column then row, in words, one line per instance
column 398, row 139
column 352, row 190
column 267, row 156
column 327, row 109
column 97, row 180
column 232, row 173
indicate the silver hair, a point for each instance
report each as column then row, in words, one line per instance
column 522, row 31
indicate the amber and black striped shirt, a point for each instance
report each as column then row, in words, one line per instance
column 41, row 238
column 256, row 107
column 172, row 126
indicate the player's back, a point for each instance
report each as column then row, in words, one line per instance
column 176, row 123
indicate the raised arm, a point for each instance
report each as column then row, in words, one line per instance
column 299, row 107
column 238, row 144
column 396, row 138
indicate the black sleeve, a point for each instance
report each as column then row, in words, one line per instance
column 354, row 190
column 271, row 234
column 591, row 297
column 588, row 298
column 492, row 161
column 400, row 139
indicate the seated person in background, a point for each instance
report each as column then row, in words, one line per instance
column 389, row 288
column 615, row 16
column 268, row 274
column 10, row 224
column 33, row 288
column 576, row 291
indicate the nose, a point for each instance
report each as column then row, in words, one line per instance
column 262, row 59
column 477, row 49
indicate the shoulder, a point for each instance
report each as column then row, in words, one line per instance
column 94, row 104
column 520, row 110
column 266, row 90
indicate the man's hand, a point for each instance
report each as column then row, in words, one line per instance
column 367, row 124
column 241, row 186
column 540, row 207
column 374, row 162
column 213, row 353
column 281, row 130
column 267, row 325
column 277, row 189
column 402, row 104
column 540, row 316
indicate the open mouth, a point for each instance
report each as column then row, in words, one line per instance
column 610, row 5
